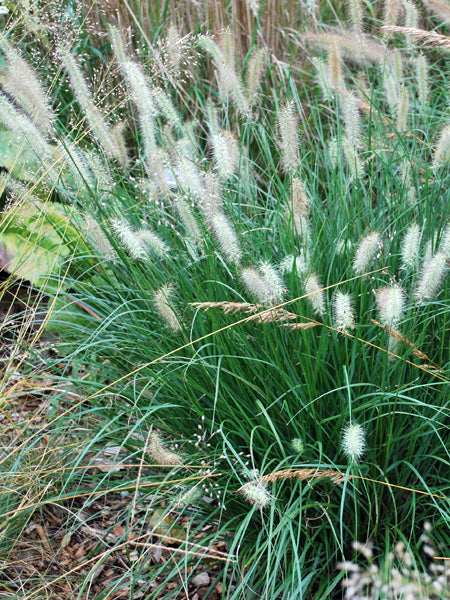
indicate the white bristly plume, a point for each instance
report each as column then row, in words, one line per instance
column 390, row 304
column 316, row 296
column 366, row 252
column 226, row 236
column 433, row 273
column 343, row 311
column 353, row 442
column 163, row 302
column 411, row 247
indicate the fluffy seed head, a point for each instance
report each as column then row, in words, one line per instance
column 366, row 251
column 353, row 442
column 129, row 239
column 297, row 445
column 352, row 120
column 23, row 84
column 256, row 493
column 257, row 285
column 411, row 246
column 442, row 153
column 334, row 66
column 96, row 236
column 322, row 77
column 300, row 199
column 226, row 153
column 440, row 8
column 163, row 302
column 160, row 455
column 444, row 246
column 255, row 72
column 291, row 262
column 355, row 13
column 433, row 273
column 274, row 282
column 287, row 120
column 150, row 240
column 343, row 311
column 390, row 304
column 316, row 297
column 226, row 236
column 392, row 10
column 403, row 109
column 423, row 88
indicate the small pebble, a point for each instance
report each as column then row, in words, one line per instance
column 201, row 580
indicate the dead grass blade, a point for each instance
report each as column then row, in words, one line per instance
column 423, row 37
column 266, row 316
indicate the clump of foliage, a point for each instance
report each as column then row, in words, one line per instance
column 252, row 272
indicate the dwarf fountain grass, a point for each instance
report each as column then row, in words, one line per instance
column 226, row 153
column 343, row 311
column 349, row 108
column 255, row 72
column 287, row 120
column 411, row 247
column 316, row 296
column 366, row 252
column 163, row 302
column 442, row 153
column 334, row 67
column 422, row 76
column 431, row 277
column 353, row 441
column 24, row 86
column 226, row 236
column 256, row 376
column 390, row 304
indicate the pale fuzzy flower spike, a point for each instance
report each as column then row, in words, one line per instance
column 433, row 273
column 226, row 153
column 343, row 311
column 444, row 246
column 163, row 301
column 257, row 285
column 353, row 442
column 390, row 304
column 442, row 152
column 351, row 116
column 366, row 252
column 300, row 200
column 129, row 239
column 94, row 116
column 274, row 282
column 411, row 247
column 288, row 140
column 255, row 71
column 163, row 457
column 257, row 494
column 423, row 88
column 316, row 297
column 226, row 236
column 23, row 84
column 153, row 242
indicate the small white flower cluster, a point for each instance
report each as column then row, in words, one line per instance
column 398, row 578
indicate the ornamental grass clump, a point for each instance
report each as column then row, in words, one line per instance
column 200, row 233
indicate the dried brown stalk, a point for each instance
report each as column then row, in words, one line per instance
column 398, row 336
column 303, row 474
column 423, row 37
column 228, row 307
column 266, row 316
